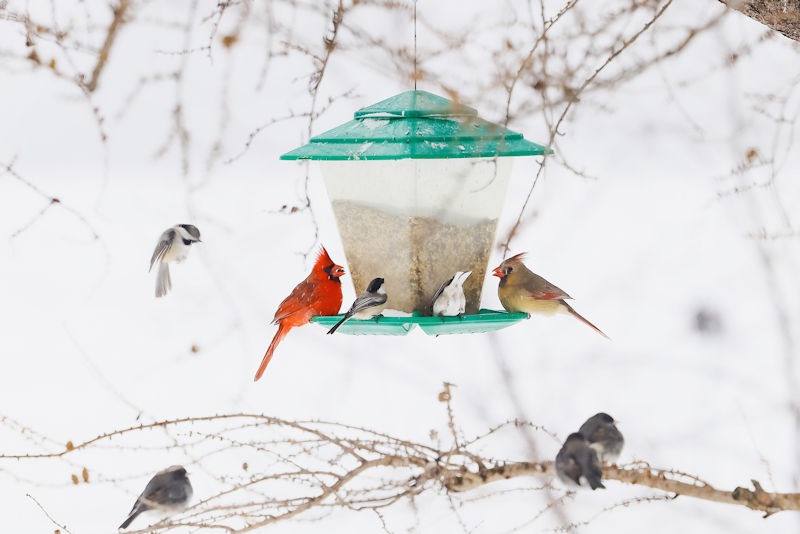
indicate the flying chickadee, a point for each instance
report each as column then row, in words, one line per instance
column 603, row 436
column 168, row 490
column 367, row 305
column 449, row 299
column 577, row 464
column 173, row 246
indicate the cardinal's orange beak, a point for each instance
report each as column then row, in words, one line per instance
column 337, row 271
column 498, row 272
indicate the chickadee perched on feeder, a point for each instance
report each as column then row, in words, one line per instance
column 449, row 299
column 173, row 246
column 367, row 305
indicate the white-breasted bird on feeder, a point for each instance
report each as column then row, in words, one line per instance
column 449, row 299
column 367, row 305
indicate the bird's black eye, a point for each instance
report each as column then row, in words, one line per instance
column 187, row 242
column 509, row 269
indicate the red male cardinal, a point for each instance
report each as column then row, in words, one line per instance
column 522, row 290
column 319, row 294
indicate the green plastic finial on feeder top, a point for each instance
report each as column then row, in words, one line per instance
column 417, row 184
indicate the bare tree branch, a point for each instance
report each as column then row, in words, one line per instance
column 333, row 465
column 640, row 474
column 51, row 201
column 574, row 97
column 102, row 58
column 46, row 513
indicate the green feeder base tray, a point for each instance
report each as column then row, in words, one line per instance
column 483, row 321
column 377, row 326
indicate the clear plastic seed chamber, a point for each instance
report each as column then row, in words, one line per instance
column 417, row 185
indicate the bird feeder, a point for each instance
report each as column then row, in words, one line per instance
column 417, row 184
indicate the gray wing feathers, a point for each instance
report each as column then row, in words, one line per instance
column 161, row 248
column 168, row 495
column 590, row 467
column 361, row 303
column 572, row 469
column 440, row 290
column 367, row 301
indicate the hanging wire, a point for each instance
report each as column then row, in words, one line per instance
column 415, row 75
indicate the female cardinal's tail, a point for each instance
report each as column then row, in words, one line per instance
column 584, row 320
column 283, row 329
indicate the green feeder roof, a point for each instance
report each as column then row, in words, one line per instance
column 416, row 125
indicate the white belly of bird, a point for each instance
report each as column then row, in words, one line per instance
column 451, row 302
column 369, row 313
column 176, row 253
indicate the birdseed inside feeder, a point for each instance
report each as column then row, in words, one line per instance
column 417, row 184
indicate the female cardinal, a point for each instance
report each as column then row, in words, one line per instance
column 522, row 290
column 319, row 294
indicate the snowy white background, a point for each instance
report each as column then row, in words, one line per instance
column 86, row 348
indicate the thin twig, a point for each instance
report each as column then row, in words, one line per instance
column 47, row 514
column 102, row 58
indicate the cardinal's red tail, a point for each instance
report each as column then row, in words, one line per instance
column 283, row 329
column 582, row 319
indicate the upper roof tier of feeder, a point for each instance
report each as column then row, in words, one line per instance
column 416, row 125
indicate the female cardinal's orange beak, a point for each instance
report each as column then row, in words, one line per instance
column 498, row 272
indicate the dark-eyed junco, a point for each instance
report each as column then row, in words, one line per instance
column 603, row 436
column 577, row 464
column 169, row 490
